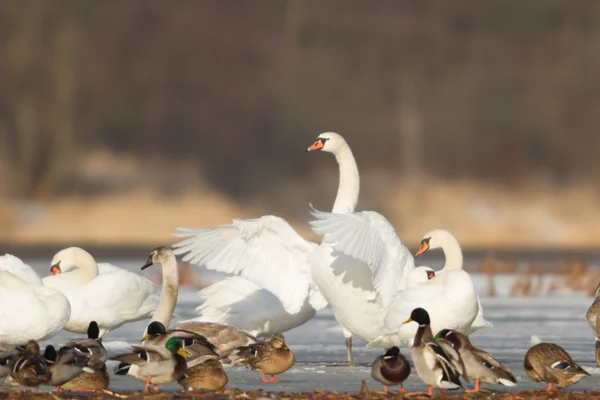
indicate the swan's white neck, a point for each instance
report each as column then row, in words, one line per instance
column 86, row 271
column 349, row 185
column 453, row 253
column 170, row 288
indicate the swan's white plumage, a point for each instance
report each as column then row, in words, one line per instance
column 235, row 301
column 370, row 238
column 17, row 267
column 29, row 311
column 266, row 251
column 114, row 297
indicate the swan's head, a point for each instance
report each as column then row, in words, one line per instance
column 419, row 276
column 70, row 257
column 420, row 316
column 160, row 255
column 278, row 342
column 434, row 239
column 328, row 141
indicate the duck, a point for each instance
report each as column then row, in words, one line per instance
column 195, row 345
column 104, row 293
column 436, row 367
column 270, row 357
column 30, row 368
column 450, row 299
column 390, row 369
column 6, row 360
column 94, row 376
column 43, row 311
column 281, row 279
column 479, row 365
column 206, row 375
column 63, row 365
column 548, row 362
column 154, row 364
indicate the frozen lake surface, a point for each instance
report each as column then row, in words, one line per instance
column 319, row 345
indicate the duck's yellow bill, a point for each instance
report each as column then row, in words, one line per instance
column 182, row 353
column 144, row 337
column 408, row 320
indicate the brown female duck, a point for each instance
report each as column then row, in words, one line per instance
column 269, row 357
column 548, row 362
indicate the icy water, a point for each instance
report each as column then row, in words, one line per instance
column 319, row 345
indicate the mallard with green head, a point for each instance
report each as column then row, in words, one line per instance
column 271, row 357
column 548, row 362
column 479, row 365
column 154, row 364
column 437, row 367
column 391, row 369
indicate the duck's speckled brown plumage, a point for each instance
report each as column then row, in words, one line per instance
column 270, row 357
column 30, row 368
column 550, row 363
column 208, row 375
column 98, row 380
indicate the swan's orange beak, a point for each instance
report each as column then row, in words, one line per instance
column 55, row 270
column 423, row 249
column 318, row 145
column 430, row 275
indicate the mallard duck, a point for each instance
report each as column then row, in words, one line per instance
column 154, row 364
column 208, row 375
column 7, row 358
column 548, row 362
column 436, row 367
column 269, row 357
column 391, row 369
column 30, row 368
column 226, row 339
column 95, row 375
column 63, row 365
column 193, row 343
column 479, row 365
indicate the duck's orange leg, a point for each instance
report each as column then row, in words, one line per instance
column 402, row 390
column 549, row 386
column 147, row 388
column 475, row 389
column 430, row 390
column 57, row 389
column 273, row 380
column 363, row 387
column 156, row 389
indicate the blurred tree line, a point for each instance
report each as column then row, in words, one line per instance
column 492, row 90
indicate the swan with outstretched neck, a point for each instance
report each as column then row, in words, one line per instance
column 287, row 277
column 104, row 293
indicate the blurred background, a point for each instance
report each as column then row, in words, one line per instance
column 120, row 121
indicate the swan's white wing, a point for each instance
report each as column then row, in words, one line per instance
column 266, row 251
column 15, row 266
column 369, row 237
column 237, row 302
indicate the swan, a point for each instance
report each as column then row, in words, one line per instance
column 29, row 311
column 442, row 239
column 275, row 289
column 450, row 299
column 104, row 293
column 17, row 267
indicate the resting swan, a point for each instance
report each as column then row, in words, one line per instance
column 109, row 295
column 274, row 291
column 29, row 311
column 450, row 299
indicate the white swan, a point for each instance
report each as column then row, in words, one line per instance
column 274, row 291
column 109, row 295
column 17, row 267
column 442, row 239
column 450, row 299
column 29, row 311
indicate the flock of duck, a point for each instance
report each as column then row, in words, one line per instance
column 278, row 281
